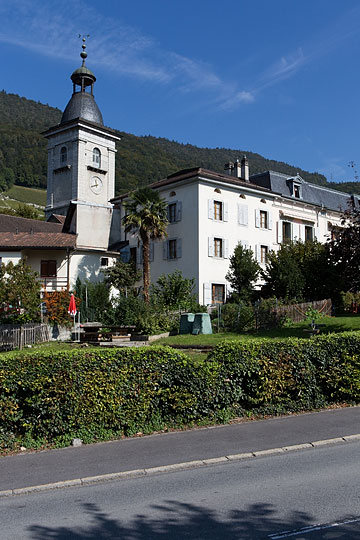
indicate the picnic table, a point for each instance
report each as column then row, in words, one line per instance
column 95, row 332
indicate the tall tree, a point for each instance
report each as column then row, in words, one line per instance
column 345, row 250
column 146, row 216
column 243, row 272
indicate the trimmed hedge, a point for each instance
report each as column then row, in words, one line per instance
column 96, row 394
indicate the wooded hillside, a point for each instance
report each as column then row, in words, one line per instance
column 139, row 160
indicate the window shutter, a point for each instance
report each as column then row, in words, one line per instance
column 245, row 244
column 207, row 294
column 270, row 221
column 178, row 210
column 317, row 233
column 257, row 218
column 296, row 230
column 226, row 211
column 279, row 232
column 178, row 248
column 211, row 208
column 301, row 232
column 242, row 214
column 151, row 255
column 258, row 252
column 165, row 250
column 125, row 254
column 211, row 246
column 226, row 248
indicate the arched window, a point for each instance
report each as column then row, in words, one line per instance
column 96, row 158
column 63, row 155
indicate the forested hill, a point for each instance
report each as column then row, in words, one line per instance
column 139, row 160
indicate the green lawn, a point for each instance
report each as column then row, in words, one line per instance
column 331, row 324
column 27, row 195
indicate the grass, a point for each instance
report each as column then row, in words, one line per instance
column 27, row 195
column 331, row 324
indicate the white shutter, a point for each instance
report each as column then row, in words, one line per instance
column 226, row 211
column 301, row 232
column 211, row 246
column 279, row 232
column 178, row 248
column 296, row 231
column 258, row 252
column 226, row 248
column 317, row 234
column 178, row 210
column 245, row 244
column 165, row 249
column 211, row 208
column 270, row 221
column 151, row 255
column 242, row 214
column 257, row 218
column 207, row 294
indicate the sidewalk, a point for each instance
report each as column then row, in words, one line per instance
column 50, row 466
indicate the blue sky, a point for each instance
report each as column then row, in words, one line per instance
column 277, row 77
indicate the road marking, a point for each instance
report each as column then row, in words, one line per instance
column 182, row 466
column 310, row 529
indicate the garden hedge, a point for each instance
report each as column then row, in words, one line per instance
column 97, row 394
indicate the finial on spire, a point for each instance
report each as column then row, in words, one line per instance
column 83, row 53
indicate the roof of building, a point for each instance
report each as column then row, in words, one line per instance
column 82, row 105
column 36, row 240
column 17, row 232
column 186, row 174
column 310, row 193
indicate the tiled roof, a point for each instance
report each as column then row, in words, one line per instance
column 40, row 240
column 19, row 224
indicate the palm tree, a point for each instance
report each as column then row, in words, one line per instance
column 146, row 215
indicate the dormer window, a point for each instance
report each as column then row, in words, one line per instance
column 96, row 158
column 297, row 191
column 63, row 156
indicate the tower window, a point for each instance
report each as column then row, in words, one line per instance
column 96, row 158
column 63, row 156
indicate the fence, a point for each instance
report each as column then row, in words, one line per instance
column 17, row 337
column 297, row 312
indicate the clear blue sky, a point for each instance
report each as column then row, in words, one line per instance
column 277, row 77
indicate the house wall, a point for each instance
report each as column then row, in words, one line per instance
column 10, row 256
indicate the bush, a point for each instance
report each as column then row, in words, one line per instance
column 96, row 394
column 238, row 317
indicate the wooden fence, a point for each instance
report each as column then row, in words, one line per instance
column 297, row 312
column 18, row 337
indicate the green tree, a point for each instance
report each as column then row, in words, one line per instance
column 173, row 291
column 122, row 276
column 146, row 216
column 19, row 292
column 345, row 251
column 243, row 272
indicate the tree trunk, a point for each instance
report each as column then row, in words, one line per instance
column 146, row 267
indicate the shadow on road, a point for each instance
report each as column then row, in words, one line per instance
column 176, row 520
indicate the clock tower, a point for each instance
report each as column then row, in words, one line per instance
column 81, row 165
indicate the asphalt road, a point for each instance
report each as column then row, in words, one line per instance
column 311, row 494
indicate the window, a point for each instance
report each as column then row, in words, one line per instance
column 218, row 247
column 218, row 294
column 172, row 213
column 218, row 210
column 172, row 249
column 263, row 219
column 48, row 269
column 286, row 231
column 104, row 261
column 96, row 158
column 297, row 191
column 263, row 254
column 309, row 233
column 63, row 156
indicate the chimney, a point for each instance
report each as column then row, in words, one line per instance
column 237, row 169
column 245, row 169
column 229, row 167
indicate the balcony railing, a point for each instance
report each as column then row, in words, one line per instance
column 50, row 284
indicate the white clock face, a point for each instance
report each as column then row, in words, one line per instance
column 96, row 185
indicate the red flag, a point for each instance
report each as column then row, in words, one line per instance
column 72, row 306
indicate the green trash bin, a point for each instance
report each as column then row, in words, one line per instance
column 186, row 323
column 202, row 324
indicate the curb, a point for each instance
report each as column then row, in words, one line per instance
column 176, row 466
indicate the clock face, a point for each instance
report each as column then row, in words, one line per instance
column 96, row 185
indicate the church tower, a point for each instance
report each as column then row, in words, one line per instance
column 81, row 165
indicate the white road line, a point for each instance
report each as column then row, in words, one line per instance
column 306, row 530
